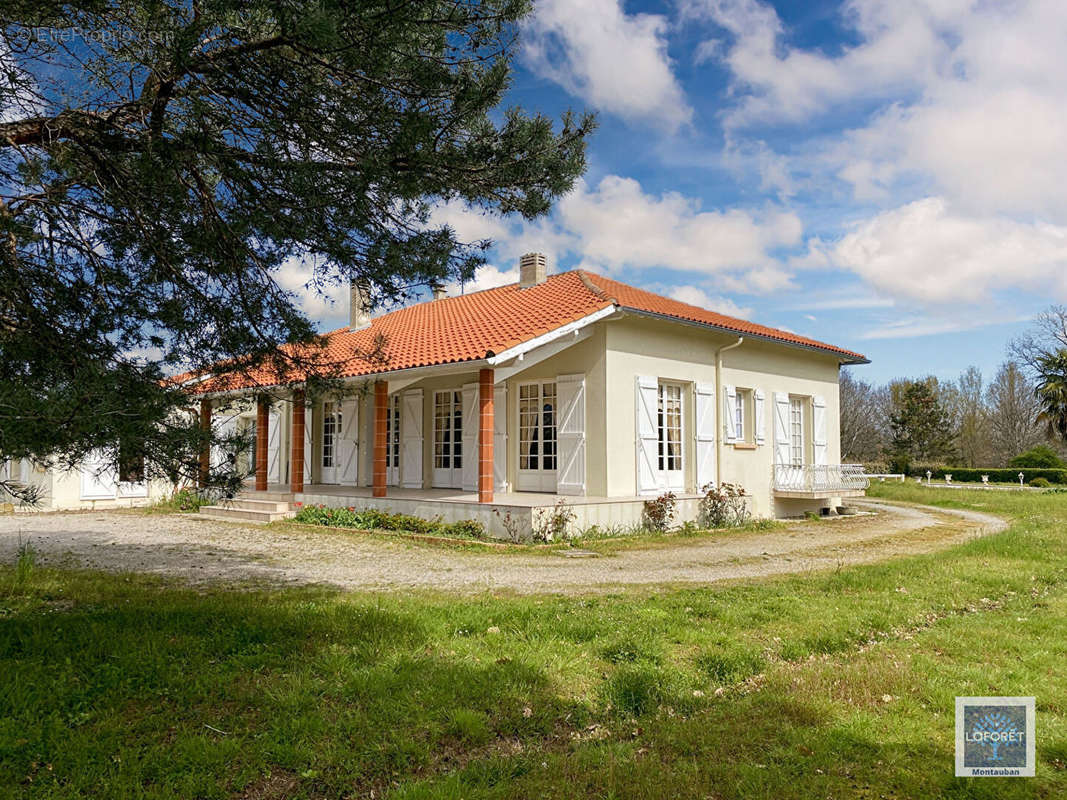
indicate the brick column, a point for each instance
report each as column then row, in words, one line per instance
column 485, row 436
column 205, row 450
column 381, row 422
column 262, row 432
column 296, row 444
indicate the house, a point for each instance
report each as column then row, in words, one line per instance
column 495, row 405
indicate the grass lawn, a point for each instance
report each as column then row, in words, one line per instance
column 834, row 684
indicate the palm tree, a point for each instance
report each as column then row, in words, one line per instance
column 1051, row 392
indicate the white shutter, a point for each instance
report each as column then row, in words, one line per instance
column 729, row 421
column 471, row 420
column 819, row 430
column 781, row 428
column 411, row 439
column 309, row 422
column 500, row 438
column 760, row 425
column 274, row 461
column 647, row 434
column 570, row 434
column 221, row 427
column 97, row 477
column 348, row 445
column 705, row 434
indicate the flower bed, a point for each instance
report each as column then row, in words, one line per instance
column 373, row 519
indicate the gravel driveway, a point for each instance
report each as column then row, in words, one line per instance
column 199, row 550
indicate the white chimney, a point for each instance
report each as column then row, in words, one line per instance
column 359, row 305
column 532, row 269
column 439, row 291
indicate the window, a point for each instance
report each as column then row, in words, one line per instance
column 447, row 430
column 537, row 426
column 670, row 427
column 131, row 462
column 392, row 433
column 796, row 431
column 739, row 415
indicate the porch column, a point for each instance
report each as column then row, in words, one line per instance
column 205, row 449
column 381, row 430
column 485, row 436
column 296, row 444
column 262, row 430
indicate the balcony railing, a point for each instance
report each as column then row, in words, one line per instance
column 815, row 478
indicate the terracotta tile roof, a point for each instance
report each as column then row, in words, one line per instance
column 479, row 325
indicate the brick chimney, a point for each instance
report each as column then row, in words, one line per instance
column 532, row 269
column 359, row 305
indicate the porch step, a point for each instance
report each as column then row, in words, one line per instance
column 258, row 507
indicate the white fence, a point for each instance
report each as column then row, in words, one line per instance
column 819, row 477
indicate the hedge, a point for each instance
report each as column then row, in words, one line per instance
column 967, row 475
column 373, row 519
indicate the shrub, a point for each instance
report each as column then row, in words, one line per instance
column 900, row 463
column 967, row 475
column 374, row 519
column 723, row 506
column 555, row 525
column 1040, row 482
column 658, row 513
column 1041, row 456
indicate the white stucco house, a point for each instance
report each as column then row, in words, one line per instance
column 494, row 405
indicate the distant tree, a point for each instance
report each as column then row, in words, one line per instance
column 921, row 425
column 1041, row 457
column 1013, row 408
column 971, row 419
column 1051, row 392
column 1046, row 335
column 862, row 419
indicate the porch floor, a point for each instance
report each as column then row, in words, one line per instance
column 514, row 499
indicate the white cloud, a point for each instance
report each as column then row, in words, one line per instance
column 695, row 296
column 901, row 43
column 617, row 224
column 326, row 303
column 487, row 276
column 928, row 253
column 615, row 61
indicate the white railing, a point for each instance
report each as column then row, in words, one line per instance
column 819, row 477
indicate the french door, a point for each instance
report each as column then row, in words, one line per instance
column 448, row 439
column 537, row 437
column 669, row 424
column 796, row 432
column 392, row 442
column 331, row 438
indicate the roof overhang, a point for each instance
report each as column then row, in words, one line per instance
column 843, row 358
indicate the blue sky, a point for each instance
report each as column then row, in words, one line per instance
column 886, row 175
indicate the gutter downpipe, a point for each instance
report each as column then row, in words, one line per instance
column 719, row 407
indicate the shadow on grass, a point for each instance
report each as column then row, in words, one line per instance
column 169, row 693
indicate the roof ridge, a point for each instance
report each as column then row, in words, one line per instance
column 587, row 279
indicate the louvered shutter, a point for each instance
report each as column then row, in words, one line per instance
column 411, row 439
column 97, row 477
column 647, row 405
column 570, row 434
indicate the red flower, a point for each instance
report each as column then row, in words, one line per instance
column 299, row 504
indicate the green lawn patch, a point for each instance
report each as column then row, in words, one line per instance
column 834, row 684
